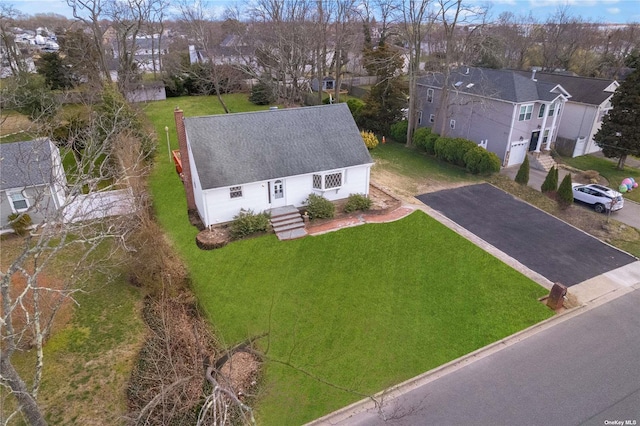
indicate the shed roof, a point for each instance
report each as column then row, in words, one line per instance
column 26, row 163
column 506, row 85
column 235, row 149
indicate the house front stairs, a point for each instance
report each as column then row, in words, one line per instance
column 287, row 223
column 541, row 161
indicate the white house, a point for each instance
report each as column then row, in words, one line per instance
column 268, row 159
column 32, row 180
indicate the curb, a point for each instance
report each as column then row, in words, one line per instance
column 379, row 400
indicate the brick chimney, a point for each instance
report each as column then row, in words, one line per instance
column 178, row 115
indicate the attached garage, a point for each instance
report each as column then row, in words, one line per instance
column 517, row 152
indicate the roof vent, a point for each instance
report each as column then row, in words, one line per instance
column 458, row 84
column 467, row 72
column 533, row 75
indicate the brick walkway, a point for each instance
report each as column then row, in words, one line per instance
column 359, row 219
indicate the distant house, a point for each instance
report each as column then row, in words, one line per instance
column 507, row 113
column 146, row 92
column 582, row 117
column 328, row 84
column 32, row 180
column 268, row 159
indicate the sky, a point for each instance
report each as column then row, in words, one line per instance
column 606, row 11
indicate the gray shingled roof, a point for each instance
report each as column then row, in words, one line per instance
column 234, row 149
column 25, row 164
column 585, row 90
column 505, row 85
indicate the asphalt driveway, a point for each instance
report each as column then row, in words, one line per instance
column 557, row 251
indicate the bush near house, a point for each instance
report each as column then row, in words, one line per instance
column 370, row 139
column 522, row 177
column 480, row 161
column 357, row 202
column 424, row 139
column 319, row 207
column 20, row 223
column 355, row 106
column 550, row 183
column 247, row 222
column 453, row 150
column 398, row 131
column 565, row 192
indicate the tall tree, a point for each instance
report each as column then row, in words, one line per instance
column 619, row 135
column 92, row 13
column 415, row 16
column 8, row 16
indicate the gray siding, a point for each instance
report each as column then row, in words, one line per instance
column 577, row 121
column 41, row 205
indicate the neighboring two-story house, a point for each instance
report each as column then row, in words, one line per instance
column 583, row 113
column 502, row 110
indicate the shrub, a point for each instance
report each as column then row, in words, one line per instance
column 319, row 207
column 355, row 106
column 440, row 147
column 20, row 223
column 357, row 202
column 429, row 143
column 565, row 192
column 247, row 222
column 370, row 139
column 550, row 183
column 480, row 161
column 591, row 175
column 262, row 94
column 399, row 131
column 522, row 177
column 420, row 137
column 458, row 148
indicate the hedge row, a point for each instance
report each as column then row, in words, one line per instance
column 458, row 151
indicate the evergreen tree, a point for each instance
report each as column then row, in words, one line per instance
column 565, row 192
column 550, row 183
column 523, row 172
column 262, row 94
column 56, row 74
column 619, row 135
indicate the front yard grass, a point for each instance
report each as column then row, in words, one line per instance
column 607, row 169
column 362, row 308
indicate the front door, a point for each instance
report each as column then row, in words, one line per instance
column 276, row 194
column 534, row 140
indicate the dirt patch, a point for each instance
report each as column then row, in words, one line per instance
column 241, row 374
column 13, row 123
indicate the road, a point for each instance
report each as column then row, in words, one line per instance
column 583, row 371
column 629, row 214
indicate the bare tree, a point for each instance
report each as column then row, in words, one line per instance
column 8, row 16
column 415, row 17
column 92, row 13
column 451, row 15
column 75, row 226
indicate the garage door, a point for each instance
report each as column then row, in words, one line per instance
column 518, row 151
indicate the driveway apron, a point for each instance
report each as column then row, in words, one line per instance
column 554, row 249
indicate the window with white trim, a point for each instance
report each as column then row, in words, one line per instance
column 317, row 181
column 432, row 118
column 545, row 136
column 327, row 181
column 552, row 109
column 419, row 117
column 452, row 124
column 525, row 112
column 430, row 95
column 19, row 202
column 333, row 180
column 235, row 192
column 541, row 112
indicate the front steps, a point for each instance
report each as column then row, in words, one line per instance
column 287, row 223
column 541, row 161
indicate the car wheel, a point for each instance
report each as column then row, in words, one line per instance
column 600, row 208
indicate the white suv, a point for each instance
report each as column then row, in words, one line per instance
column 600, row 197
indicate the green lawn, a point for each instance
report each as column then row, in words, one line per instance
column 363, row 308
column 607, row 168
